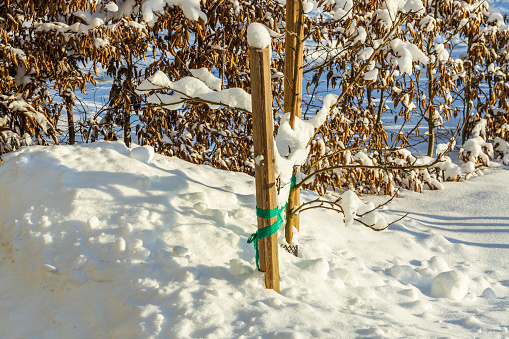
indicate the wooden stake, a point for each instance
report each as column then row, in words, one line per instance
column 294, row 48
column 263, row 136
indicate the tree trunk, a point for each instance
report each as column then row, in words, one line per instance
column 293, row 89
column 127, row 128
column 70, row 124
column 468, row 97
column 431, row 94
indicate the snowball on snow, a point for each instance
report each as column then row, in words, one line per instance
column 258, row 36
column 143, row 153
column 450, row 284
column 489, row 294
column 438, row 264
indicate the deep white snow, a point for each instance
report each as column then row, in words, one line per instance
column 102, row 241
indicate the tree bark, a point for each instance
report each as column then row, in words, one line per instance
column 294, row 50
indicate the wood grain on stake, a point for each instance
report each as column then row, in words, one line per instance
column 261, row 96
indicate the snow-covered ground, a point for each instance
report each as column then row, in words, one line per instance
column 99, row 241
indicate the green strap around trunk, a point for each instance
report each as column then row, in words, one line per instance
column 271, row 229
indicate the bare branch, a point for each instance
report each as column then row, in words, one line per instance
column 379, row 229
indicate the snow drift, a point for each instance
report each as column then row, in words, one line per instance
column 104, row 241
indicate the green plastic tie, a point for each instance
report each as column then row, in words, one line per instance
column 293, row 181
column 266, row 232
column 269, row 214
column 263, row 233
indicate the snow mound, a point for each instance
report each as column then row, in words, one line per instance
column 91, row 237
column 404, row 273
column 103, row 241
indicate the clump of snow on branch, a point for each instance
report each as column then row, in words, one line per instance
column 479, row 129
column 501, row 148
column 190, row 88
column 191, row 9
column 428, row 23
column 208, row 78
column 291, row 145
column 291, row 149
column 150, row 11
column 415, row 6
column 390, row 9
column 441, row 53
column 307, row 6
column 20, row 105
column 371, row 75
column 476, row 149
column 104, row 15
column 353, row 207
column 407, row 54
column 111, row 6
column 366, row 53
column 343, row 9
column 451, row 171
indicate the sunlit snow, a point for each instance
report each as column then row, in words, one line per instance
column 104, row 241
